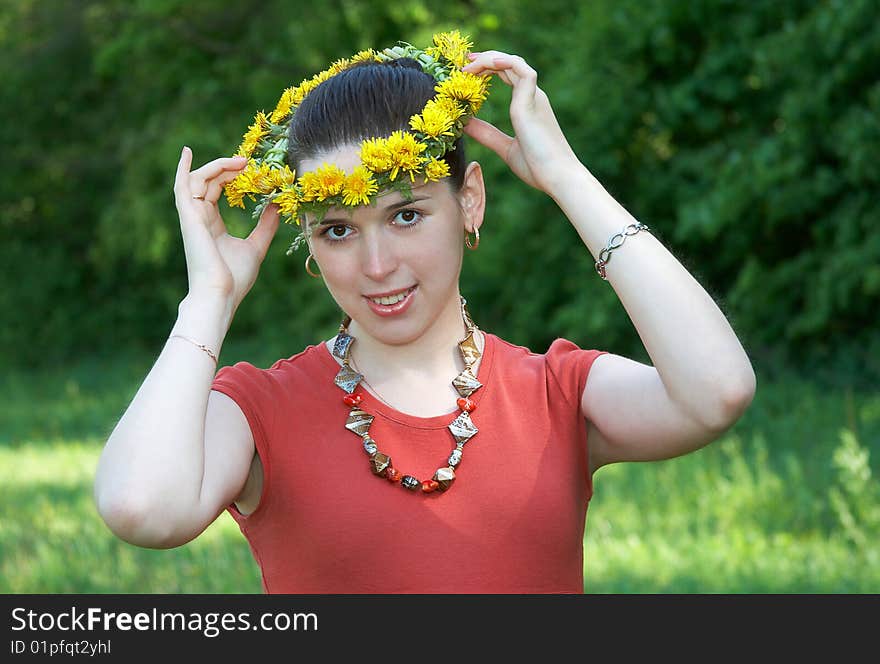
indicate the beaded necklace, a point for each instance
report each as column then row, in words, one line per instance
column 462, row 428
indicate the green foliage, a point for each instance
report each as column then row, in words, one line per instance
column 856, row 499
column 747, row 135
column 99, row 96
column 744, row 134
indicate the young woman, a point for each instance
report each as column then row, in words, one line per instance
column 412, row 452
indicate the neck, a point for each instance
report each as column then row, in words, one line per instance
column 432, row 353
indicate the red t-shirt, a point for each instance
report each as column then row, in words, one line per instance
column 512, row 522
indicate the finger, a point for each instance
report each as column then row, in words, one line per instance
column 496, row 62
column 481, row 59
column 264, row 231
column 525, row 79
column 187, row 211
column 212, row 169
column 181, row 177
column 483, row 62
column 489, row 135
column 215, row 186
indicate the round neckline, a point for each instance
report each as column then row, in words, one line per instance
column 374, row 406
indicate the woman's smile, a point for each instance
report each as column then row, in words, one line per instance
column 392, row 304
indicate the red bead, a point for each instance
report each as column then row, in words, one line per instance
column 353, row 399
column 430, row 485
column 392, row 474
column 466, row 404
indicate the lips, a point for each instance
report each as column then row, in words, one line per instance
column 392, row 304
column 389, row 293
column 390, row 298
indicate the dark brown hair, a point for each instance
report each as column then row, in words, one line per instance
column 367, row 100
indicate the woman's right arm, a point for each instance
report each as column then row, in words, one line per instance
column 181, row 453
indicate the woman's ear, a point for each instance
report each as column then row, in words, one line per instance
column 472, row 197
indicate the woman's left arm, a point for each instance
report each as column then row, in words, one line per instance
column 702, row 380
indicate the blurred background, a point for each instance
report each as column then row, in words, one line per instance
column 745, row 134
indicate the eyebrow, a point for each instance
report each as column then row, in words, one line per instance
column 388, row 208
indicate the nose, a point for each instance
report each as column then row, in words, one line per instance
column 378, row 258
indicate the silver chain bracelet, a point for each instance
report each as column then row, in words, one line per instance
column 615, row 242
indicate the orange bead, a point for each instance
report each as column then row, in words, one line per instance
column 467, row 405
column 430, row 485
column 392, row 474
column 353, row 399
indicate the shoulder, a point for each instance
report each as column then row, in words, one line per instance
column 563, row 365
column 557, row 343
column 303, row 362
column 560, row 349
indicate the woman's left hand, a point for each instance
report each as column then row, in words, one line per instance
column 538, row 153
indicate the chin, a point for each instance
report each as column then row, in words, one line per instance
column 392, row 333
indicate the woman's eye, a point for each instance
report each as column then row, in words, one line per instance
column 407, row 218
column 336, row 232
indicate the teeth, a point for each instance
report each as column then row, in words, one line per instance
column 391, row 299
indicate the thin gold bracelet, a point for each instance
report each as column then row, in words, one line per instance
column 210, row 353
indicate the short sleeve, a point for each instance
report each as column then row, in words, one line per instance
column 251, row 389
column 569, row 365
column 255, row 392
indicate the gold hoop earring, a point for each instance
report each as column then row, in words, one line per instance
column 467, row 239
column 308, row 269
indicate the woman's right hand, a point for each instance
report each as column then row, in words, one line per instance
column 217, row 263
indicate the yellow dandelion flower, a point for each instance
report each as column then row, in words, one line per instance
column 320, row 77
column 323, row 183
column 375, row 155
column 436, row 169
column 338, row 66
column 234, row 194
column 359, row 186
column 465, row 87
column 251, row 181
column 252, row 137
column 452, row 46
column 332, row 180
column 435, row 120
column 368, row 55
column 288, row 201
column 299, row 93
column 247, row 181
column 285, row 103
column 281, row 177
column 406, row 153
column 247, row 147
column 305, row 88
column 261, row 178
column 310, row 186
column 450, row 107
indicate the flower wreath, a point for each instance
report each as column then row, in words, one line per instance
column 387, row 163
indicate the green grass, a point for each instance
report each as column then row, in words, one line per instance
column 785, row 502
column 52, row 540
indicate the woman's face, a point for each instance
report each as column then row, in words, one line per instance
column 394, row 266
